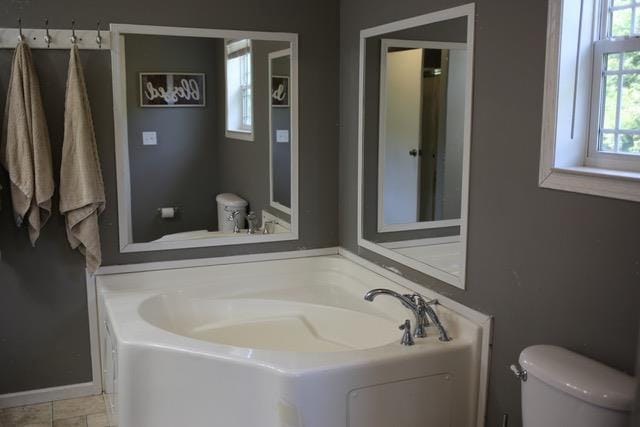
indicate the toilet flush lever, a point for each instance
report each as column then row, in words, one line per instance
column 519, row 372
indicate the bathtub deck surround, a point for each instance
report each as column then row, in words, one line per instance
column 265, row 340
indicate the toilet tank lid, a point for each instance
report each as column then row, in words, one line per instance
column 579, row 376
column 230, row 199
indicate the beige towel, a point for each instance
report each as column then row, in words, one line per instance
column 25, row 150
column 81, row 186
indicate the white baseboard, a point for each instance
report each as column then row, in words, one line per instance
column 42, row 395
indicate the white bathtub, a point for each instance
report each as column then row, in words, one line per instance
column 286, row 343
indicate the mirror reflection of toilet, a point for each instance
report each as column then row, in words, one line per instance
column 561, row 388
column 227, row 204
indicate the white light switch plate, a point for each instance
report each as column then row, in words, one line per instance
column 149, row 138
column 282, row 135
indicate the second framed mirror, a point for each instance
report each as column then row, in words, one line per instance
column 416, row 79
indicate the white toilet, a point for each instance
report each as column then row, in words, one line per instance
column 227, row 204
column 564, row 389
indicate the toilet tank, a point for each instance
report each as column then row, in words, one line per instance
column 565, row 389
column 227, row 203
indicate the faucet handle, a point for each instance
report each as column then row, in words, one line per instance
column 233, row 216
column 252, row 219
column 407, row 339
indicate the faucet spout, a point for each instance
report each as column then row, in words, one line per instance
column 420, row 308
column 407, row 301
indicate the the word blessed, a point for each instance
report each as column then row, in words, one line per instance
column 187, row 89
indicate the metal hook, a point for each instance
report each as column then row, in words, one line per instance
column 98, row 37
column 47, row 36
column 73, row 37
column 20, row 36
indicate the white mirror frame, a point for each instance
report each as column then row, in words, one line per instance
column 118, row 68
column 272, row 202
column 468, row 11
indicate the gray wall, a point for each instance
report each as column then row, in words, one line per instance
column 43, row 314
column 551, row 266
column 182, row 170
column 245, row 169
column 44, row 334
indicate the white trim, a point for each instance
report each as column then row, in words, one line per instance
column 280, row 207
column 417, row 21
column 199, row 32
column 268, row 216
column 421, row 225
column 482, row 320
column 238, row 134
column 60, row 38
column 125, row 231
column 204, row 262
column 31, row 397
column 467, row 10
column 595, row 181
column 420, row 242
column 270, row 56
column 420, row 44
column 94, row 337
column 70, row 391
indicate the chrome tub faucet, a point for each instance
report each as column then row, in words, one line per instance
column 252, row 220
column 233, row 216
column 421, row 309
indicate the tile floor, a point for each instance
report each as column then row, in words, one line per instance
column 81, row 412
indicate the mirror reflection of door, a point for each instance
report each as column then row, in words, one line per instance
column 402, row 133
column 421, row 147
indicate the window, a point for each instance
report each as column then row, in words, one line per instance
column 239, row 113
column 615, row 115
column 591, row 109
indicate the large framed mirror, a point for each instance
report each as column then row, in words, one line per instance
column 206, row 129
column 416, row 78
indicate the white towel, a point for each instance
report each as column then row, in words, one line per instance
column 81, row 186
column 25, row 150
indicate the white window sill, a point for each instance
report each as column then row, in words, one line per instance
column 601, row 172
column 595, row 181
column 241, row 135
